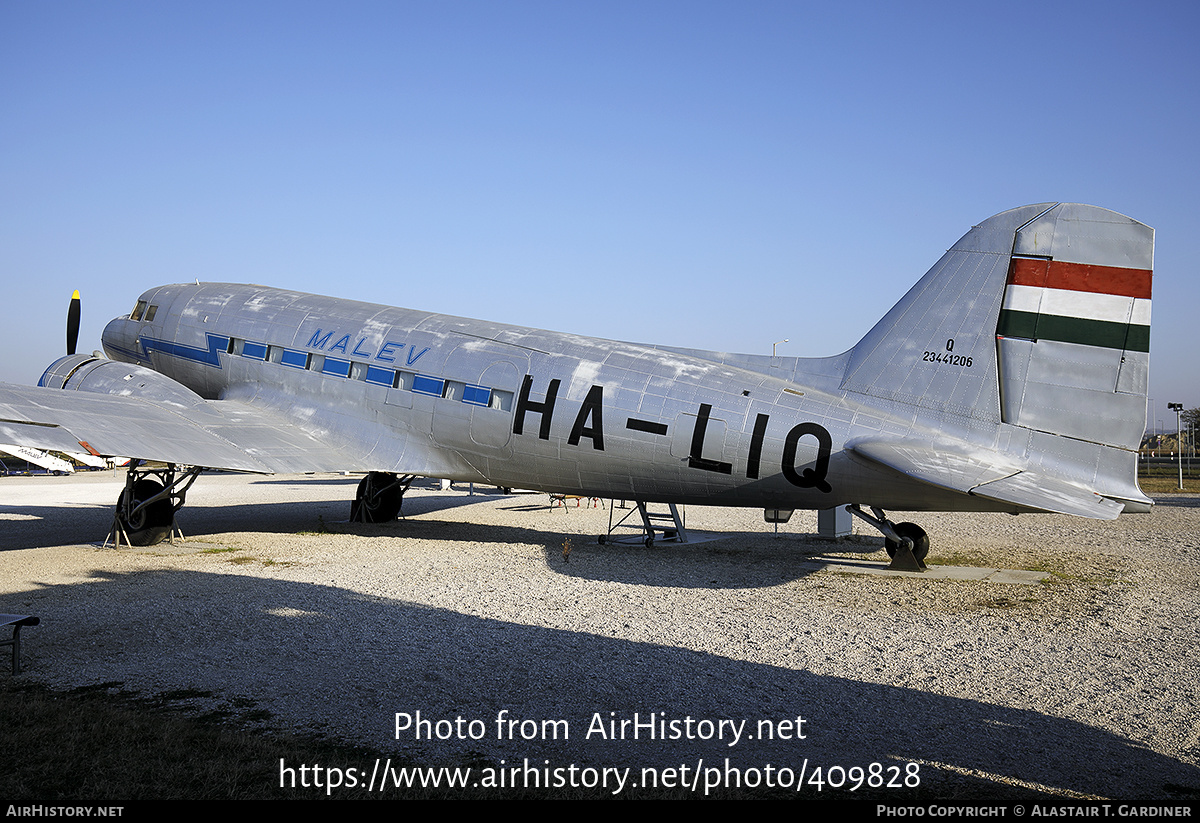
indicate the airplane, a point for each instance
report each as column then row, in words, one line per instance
column 39, row 458
column 1011, row 378
column 50, row 462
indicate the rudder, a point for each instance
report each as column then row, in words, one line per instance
column 1073, row 335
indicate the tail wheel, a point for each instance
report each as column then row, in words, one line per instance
column 913, row 532
column 150, row 524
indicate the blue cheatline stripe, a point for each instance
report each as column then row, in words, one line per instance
column 134, row 355
column 216, row 343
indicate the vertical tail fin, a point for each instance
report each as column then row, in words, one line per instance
column 936, row 348
column 1038, row 317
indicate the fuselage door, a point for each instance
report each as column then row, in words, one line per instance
column 477, row 407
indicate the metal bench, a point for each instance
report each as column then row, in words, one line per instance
column 561, row 500
column 16, row 621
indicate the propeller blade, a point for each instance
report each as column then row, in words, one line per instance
column 73, row 323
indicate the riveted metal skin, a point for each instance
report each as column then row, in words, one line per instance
column 1011, row 377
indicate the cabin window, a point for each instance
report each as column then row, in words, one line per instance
column 427, row 385
column 336, row 366
column 477, row 395
column 295, row 359
column 138, row 310
column 255, row 351
column 380, row 376
column 501, row 400
column 150, row 312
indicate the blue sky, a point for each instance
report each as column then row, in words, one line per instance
column 716, row 175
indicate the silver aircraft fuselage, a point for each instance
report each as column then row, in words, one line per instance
column 414, row 392
column 1011, row 377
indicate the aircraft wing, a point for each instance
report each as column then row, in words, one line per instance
column 221, row 434
column 987, row 474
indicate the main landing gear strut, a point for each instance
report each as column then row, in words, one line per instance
column 379, row 498
column 146, row 509
column 906, row 543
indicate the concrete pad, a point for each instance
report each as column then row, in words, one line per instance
column 852, row 566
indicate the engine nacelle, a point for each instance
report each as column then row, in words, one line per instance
column 85, row 372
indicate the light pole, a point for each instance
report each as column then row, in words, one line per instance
column 1178, row 409
column 773, row 345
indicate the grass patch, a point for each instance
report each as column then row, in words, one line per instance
column 960, row 559
column 1168, row 485
column 115, row 748
column 320, row 530
column 999, row 603
column 1058, row 577
column 95, row 746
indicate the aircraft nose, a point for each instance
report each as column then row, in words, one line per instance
column 120, row 340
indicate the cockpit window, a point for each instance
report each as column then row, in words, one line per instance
column 150, row 313
column 137, row 310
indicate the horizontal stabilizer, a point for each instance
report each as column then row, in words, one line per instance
column 945, row 466
column 987, row 474
column 1039, row 491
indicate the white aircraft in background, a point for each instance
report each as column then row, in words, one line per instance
column 40, row 458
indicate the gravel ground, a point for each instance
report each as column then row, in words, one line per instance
column 1082, row 686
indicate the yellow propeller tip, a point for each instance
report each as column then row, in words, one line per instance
column 75, row 296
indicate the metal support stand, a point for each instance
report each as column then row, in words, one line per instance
column 834, row 523
column 650, row 526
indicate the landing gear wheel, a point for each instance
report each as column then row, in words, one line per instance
column 378, row 499
column 150, row 524
column 913, row 532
